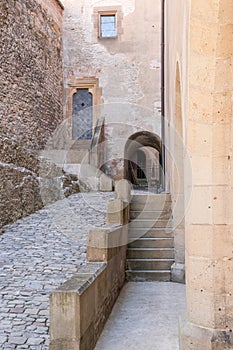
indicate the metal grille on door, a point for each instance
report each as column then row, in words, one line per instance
column 82, row 120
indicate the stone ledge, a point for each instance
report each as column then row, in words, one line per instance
column 83, row 279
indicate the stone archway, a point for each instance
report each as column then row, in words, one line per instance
column 148, row 145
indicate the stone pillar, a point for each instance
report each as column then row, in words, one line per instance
column 209, row 253
column 118, row 209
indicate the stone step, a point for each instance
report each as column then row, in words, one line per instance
column 155, row 214
column 150, row 233
column 159, row 198
column 149, row 264
column 150, row 253
column 150, row 203
column 150, row 223
column 151, row 243
column 150, row 206
column 149, row 275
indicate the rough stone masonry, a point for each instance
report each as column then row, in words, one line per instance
column 30, row 98
column 30, row 70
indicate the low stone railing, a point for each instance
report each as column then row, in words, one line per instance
column 81, row 306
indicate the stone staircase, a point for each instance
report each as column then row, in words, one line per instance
column 150, row 253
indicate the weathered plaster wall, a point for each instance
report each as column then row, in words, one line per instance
column 30, row 70
column 128, row 68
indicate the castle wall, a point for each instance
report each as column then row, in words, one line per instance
column 30, row 101
column 30, row 70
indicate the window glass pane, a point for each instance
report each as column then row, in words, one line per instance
column 108, row 26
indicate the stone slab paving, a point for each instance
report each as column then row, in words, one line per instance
column 145, row 317
column 38, row 253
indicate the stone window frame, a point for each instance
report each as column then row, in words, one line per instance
column 103, row 14
column 92, row 84
column 107, row 11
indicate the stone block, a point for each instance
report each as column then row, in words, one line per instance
column 97, row 245
column 123, row 190
column 103, row 243
column 178, row 273
column 115, row 212
column 202, row 40
column 105, row 183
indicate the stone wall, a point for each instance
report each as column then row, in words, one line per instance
column 28, row 182
column 30, row 100
column 30, row 70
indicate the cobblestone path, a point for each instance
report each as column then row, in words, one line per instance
column 37, row 254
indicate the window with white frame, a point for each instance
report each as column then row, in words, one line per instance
column 107, row 25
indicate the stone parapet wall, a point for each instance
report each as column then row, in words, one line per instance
column 80, row 308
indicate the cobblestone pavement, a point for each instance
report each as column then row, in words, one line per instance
column 38, row 253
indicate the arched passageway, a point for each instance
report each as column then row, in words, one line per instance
column 143, row 160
